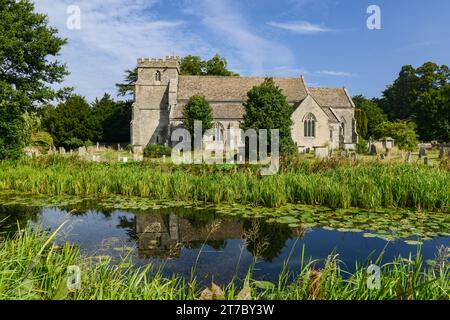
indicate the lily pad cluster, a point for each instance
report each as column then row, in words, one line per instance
column 385, row 224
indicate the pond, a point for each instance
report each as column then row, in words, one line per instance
column 223, row 241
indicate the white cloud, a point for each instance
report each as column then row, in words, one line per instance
column 302, row 27
column 336, row 73
column 245, row 48
column 114, row 33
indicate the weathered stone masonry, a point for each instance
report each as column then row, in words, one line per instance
column 322, row 116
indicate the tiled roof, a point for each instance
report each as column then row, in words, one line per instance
column 234, row 89
column 331, row 115
column 232, row 111
column 331, row 97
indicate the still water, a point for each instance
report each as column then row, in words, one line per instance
column 220, row 247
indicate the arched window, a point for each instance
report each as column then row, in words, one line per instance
column 343, row 124
column 158, row 76
column 309, row 123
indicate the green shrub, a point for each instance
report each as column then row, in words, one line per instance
column 42, row 139
column 156, row 151
column 361, row 146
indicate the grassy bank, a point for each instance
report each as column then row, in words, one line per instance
column 31, row 267
column 334, row 183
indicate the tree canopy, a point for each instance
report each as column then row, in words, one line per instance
column 267, row 108
column 374, row 114
column 197, row 109
column 28, row 69
column 403, row 132
column 408, row 98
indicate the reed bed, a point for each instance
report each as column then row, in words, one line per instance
column 329, row 183
column 33, row 268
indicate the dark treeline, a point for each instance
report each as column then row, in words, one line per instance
column 419, row 100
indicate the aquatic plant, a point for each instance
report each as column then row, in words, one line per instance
column 364, row 185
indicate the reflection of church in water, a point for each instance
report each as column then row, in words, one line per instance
column 163, row 236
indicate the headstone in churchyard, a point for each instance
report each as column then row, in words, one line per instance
column 422, row 152
column 98, row 146
column 382, row 156
column 441, row 152
column 425, row 161
column 353, row 156
column 321, row 152
column 82, row 151
column 62, row 150
column 71, row 151
column 164, row 158
column 388, row 150
column 138, row 157
column 373, row 149
column 125, row 159
column 344, row 154
column 408, row 157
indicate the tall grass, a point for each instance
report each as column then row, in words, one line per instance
column 32, row 267
column 337, row 185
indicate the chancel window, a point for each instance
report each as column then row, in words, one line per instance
column 309, row 124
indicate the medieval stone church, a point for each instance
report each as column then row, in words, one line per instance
column 322, row 117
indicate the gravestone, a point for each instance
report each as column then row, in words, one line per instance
column 382, row 156
column 441, row 152
column 164, row 158
column 98, row 146
column 422, row 152
column 82, row 151
column 62, row 151
column 353, row 156
column 408, row 157
column 372, row 149
column 425, row 161
column 125, row 159
column 321, row 153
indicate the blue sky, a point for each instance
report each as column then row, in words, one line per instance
column 327, row 41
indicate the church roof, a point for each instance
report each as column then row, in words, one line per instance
column 331, row 97
column 232, row 111
column 234, row 89
column 331, row 115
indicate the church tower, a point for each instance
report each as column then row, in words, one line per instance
column 155, row 94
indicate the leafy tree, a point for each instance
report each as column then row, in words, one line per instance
column 267, row 108
column 217, row 66
column 192, row 66
column 126, row 88
column 399, row 98
column 116, row 127
column 12, row 128
column 374, row 114
column 28, row 69
column 403, row 132
column 361, row 123
column 433, row 115
column 68, row 121
column 197, row 109
column 26, row 45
